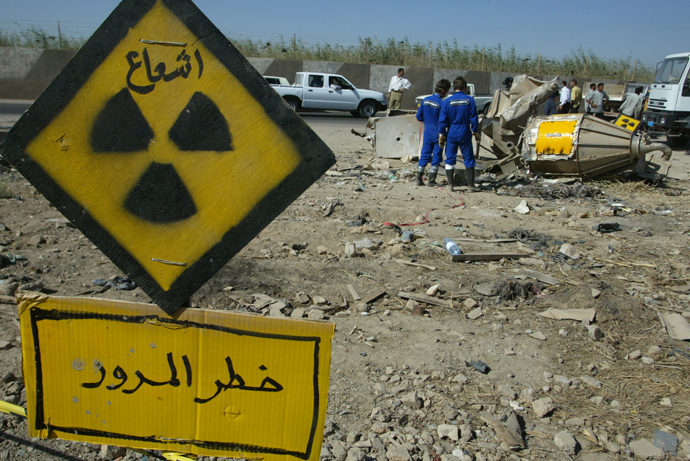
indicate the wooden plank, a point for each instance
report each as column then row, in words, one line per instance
column 485, row 240
column 353, row 292
column 373, row 296
column 427, row 299
column 488, row 256
column 410, row 263
column 546, row 278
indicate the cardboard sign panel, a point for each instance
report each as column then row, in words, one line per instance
column 165, row 147
column 208, row 382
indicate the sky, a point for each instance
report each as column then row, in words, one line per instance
column 611, row 29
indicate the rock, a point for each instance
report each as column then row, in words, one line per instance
column 506, row 391
column 460, row 378
column 542, row 407
column 613, row 447
column 448, row 430
column 398, row 454
column 379, row 428
column 470, row 303
column 522, row 208
column 644, row 449
column 319, row 300
column 538, row 335
column 433, row 290
column 575, row 422
column 298, row 313
column 110, row 452
column 570, row 251
column 475, row 314
column 4, row 345
column 666, row 402
column 487, row 289
column 595, row 293
column 563, row 380
column 379, row 388
column 634, row 355
column 301, row 298
column 355, row 454
column 350, row 251
column 591, row 382
column 322, row 250
column 668, row 443
column 595, row 332
column 325, row 452
column 8, row 289
column 365, row 244
column 338, row 452
column 566, row 442
column 315, row 314
column 654, row 352
column 35, row 241
column 647, row 360
column 412, row 400
column 615, row 404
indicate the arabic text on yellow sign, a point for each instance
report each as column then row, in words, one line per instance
column 207, row 382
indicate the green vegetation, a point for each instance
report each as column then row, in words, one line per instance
column 448, row 56
column 38, row 38
column 391, row 52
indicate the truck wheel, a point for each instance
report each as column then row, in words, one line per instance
column 677, row 140
column 294, row 103
column 367, row 109
column 487, row 108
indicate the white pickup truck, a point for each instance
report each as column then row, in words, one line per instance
column 483, row 102
column 321, row 91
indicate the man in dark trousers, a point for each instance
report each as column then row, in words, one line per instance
column 457, row 123
column 428, row 113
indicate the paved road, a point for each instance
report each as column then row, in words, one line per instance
column 11, row 110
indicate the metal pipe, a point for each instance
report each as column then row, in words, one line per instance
column 640, row 145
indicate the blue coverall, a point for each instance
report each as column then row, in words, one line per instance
column 458, row 121
column 428, row 113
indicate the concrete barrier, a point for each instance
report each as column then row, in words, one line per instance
column 25, row 72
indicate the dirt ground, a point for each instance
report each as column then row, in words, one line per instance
column 402, row 386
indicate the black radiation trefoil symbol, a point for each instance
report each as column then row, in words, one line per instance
column 160, row 195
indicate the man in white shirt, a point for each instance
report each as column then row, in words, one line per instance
column 564, row 103
column 398, row 84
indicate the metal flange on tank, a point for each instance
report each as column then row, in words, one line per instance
column 579, row 144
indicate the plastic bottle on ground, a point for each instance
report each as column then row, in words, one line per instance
column 451, row 246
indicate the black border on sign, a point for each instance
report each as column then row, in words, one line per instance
column 316, row 157
column 38, row 314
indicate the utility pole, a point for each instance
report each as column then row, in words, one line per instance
column 586, row 66
column 60, row 36
column 431, row 53
column 634, row 69
column 483, row 57
column 294, row 45
column 539, row 65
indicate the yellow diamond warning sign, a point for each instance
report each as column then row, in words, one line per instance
column 164, row 146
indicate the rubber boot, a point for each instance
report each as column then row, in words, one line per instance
column 432, row 179
column 469, row 177
column 420, row 180
column 450, row 176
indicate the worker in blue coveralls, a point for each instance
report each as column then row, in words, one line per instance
column 457, row 123
column 428, row 113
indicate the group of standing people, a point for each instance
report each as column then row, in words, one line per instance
column 449, row 125
column 565, row 101
column 595, row 100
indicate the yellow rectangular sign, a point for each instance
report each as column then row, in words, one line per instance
column 206, row 382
